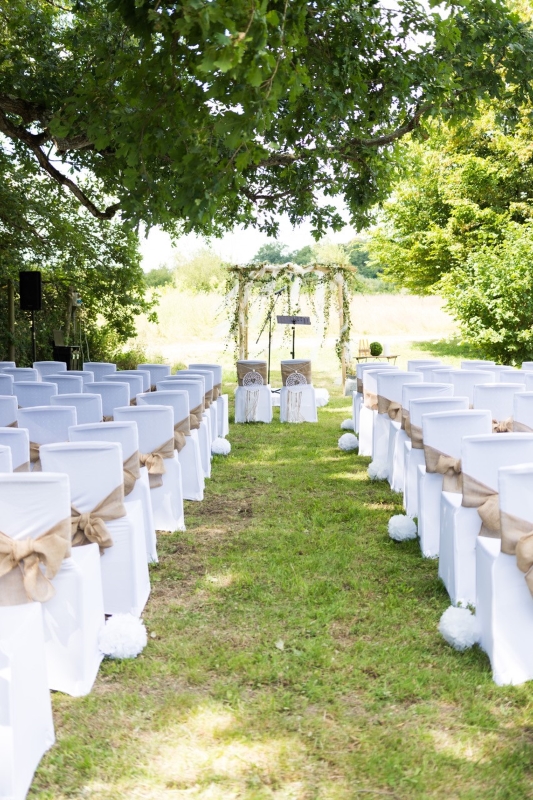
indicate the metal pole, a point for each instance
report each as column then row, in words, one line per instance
column 293, row 341
column 11, row 319
column 269, row 343
column 33, row 343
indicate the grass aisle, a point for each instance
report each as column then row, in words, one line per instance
column 293, row 653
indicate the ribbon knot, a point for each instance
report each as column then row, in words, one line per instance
column 517, row 540
column 486, row 500
column 390, row 407
column 445, row 465
column 90, row 526
column 28, row 555
column 502, row 426
column 154, row 462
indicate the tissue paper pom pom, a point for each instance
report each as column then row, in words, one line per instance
column 221, row 447
column 377, row 471
column 347, row 424
column 348, row 442
column 401, row 528
column 321, row 397
column 123, row 636
column 459, row 627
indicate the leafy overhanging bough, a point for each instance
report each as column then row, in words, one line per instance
column 262, row 282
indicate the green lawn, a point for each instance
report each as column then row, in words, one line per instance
column 293, row 653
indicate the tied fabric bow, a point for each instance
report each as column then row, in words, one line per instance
column 195, row 417
column 181, row 430
column 35, row 456
column 502, row 426
column 89, row 526
column 517, row 540
column 486, row 500
column 447, row 466
column 28, row 554
column 217, row 391
column 390, row 407
column 155, row 464
column 131, row 472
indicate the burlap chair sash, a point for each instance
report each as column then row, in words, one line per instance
column 133, row 401
column 390, row 407
column 521, row 427
column 155, row 462
column 13, row 424
column 252, row 373
column 517, row 540
column 359, row 382
column 217, row 391
column 502, row 426
column 89, row 526
column 24, row 467
column 132, row 473
column 208, row 398
column 370, row 400
column 442, row 464
column 182, row 429
column 415, row 434
column 35, row 458
column 295, row 375
column 107, row 419
column 21, row 577
column 486, row 500
column 195, row 417
column 153, row 388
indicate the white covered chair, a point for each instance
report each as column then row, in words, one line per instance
column 498, row 370
column 26, row 725
column 88, row 406
column 45, row 368
column 143, row 373
column 357, row 396
column 30, row 394
column 527, row 366
column 522, row 412
column 18, row 441
column 211, row 408
column 389, row 394
column 6, row 365
column 8, row 411
column 67, row 383
column 253, row 395
column 513, row 375
column 504, row 607
column 155, row 425
column 297, row 399
column 499, row 399
column 158, row 372
column 71, row 592
column 198, row 419
column 461, row 522
column 464, row 380
column 86, row 375
column 105, row 524
column 135, row 383
column 6, row 384
column 397, row 461
column 22, row 373
column 221, row 399
column 45, row 425
column 6, row 461
column 136, row 485
column 113, row 395
column 185, row 440
column 473, row 363
column 368, row 411
column 413, row 363
column 206, row 416
column 99, row 368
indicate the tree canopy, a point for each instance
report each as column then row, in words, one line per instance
column 202, row 115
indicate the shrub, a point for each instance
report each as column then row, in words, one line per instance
column 375, row 349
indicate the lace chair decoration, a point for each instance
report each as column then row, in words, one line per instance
column 253, row 395
column 297, row 395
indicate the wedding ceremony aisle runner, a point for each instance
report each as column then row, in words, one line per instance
column 293, row 653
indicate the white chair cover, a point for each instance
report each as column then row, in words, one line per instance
column 138, row 500
column 6, row 384
column 504, row 608
column 94, row 470
column 6, row 365
column 142, row 373
column 22, row 373
column 427, row 370
column 195, row 389
column 156, row 427
column 253, row 404
column 86, row 375
column 8, row 410
column 158, row 372
column 497, row 369
column 113, row 395
column 498, row 398
column 482, row 456
column 368, row 415
column 527, row 366
column 297, row 403
column 67, row 383
column 192, row 474
column 18, row 441
column 88, row 406
column 522, row 410
column 464, row 380
column 209, row 380
column 473, row 363
column 389, row 386
column 413, row 363
column 74, row 616
column 135, row 382
column 6, row 462
column 26, row 724
column 47, row 424
column 99, row 368
column 45, row 368
column 357, row 397
column 512, row 375
column 33, row 394
column 222, row 400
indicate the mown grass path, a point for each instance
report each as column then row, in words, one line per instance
column 293, row 654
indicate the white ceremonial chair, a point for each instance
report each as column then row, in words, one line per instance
column 86, row 375
column 26, row 724
column 6, row 384
column 73, row 609
column 88, row 406
column 67, row 383
column 113, row 395
column 253, row 395
column 22, row 373
column 461, row 523
column 99, row 368
column 522, row 412
column 18, row 441
column 221, row 399
column 464, row 380
column 135, row 383
column 369, row 410
column 136, row 485
column 45, row 368
column 6, row 461
column 45, row 425
column 8, row 411
column 33, row 394
column 443, row 425
column 357, row 396
column 498, row 398
column 189, row 456
column 473, row 363
column 297, row 399
column 195, row 390
column 143, row 373
column 432, row 373
column 504, row 607
column 7, row 365
column 497, row 370
column 527, row 366
column 210, row 407
column 206, row 416
column 156, row 434
column 413, row 363
column 513, row 375
column 95, row 473
column 389, row 392
column 158, row 372
column 401, row 463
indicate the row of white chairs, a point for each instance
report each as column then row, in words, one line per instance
column 438, row 438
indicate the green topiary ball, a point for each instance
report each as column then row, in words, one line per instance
column 375, row 349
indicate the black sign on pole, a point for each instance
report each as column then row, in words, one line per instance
column 285, row 320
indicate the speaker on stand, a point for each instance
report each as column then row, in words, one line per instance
column 30, row 292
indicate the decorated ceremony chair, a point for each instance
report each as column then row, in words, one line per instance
column 297, row 395
column 253, row 395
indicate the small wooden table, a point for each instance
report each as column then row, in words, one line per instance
column 375, row 358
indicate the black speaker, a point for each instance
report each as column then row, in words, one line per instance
column 30, row 291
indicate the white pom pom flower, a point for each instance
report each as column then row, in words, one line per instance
column 377, row 471
column 459, row 627
column 347, row 424
column 321, row 397
column 348, row 442
column 402, row 527
column 123, row 636
column 221, row 447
